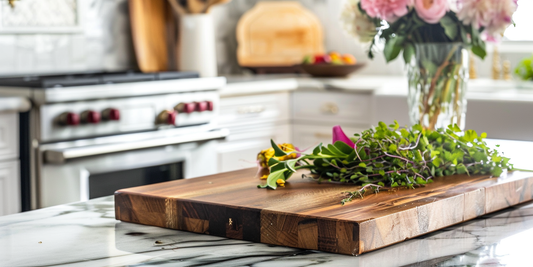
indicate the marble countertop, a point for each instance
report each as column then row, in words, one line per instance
column 87, row 234
column 14, row 104
column 479, row 89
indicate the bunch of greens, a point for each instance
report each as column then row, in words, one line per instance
column 524, row 70
column 388, row 157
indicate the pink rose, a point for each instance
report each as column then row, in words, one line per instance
column 389, row 10
column 431, row 11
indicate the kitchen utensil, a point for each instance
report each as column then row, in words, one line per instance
column 308, row 215
column 277, row 34
column 148, row 26
column 197, row 44
column 330, row 70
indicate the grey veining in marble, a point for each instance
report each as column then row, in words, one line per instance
column 86, row 234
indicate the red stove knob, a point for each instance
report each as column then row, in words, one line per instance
column 167, row 117
column 210, row 105
column 201, row 106
column 68, row 118
column 72, row 118
column 189, row 107
column 90, row 116
column 111, row 114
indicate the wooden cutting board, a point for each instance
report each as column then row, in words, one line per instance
column 278, row 33
column 308, row 215
column 151, row 22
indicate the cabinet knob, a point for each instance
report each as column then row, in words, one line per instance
column 329, row 108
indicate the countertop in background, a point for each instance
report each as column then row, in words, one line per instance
column 482, row 89
column 14, row 104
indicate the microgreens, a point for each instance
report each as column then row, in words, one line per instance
column 387, row 157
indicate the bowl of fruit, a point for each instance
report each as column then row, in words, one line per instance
column 332, row 64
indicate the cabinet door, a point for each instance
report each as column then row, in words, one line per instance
column 307, row 136
column 240, row 150
column 9, row 188
column 242, row 111
column 9, row 128
column 332, row 107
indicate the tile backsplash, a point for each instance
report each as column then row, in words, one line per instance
column 103, row 43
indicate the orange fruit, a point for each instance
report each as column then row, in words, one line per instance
column 349, row 59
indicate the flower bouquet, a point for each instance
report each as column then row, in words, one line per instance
column 434, row 36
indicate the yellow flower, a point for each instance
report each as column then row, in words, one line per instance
column 265, row 155
column 280, row 182
column 264, row 177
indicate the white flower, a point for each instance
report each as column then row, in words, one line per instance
column 357, row 24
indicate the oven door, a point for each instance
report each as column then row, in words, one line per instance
column 81, row 172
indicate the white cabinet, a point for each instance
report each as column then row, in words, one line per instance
column 240, row 150
column 9, row 187
column 8, row 136
column 332, row 107
column 306, row 136
column 315, row 113
column 9, row 164
column 252, row 120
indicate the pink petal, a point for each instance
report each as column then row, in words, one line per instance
column 339, row 135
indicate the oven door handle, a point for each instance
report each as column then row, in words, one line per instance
column 62, row 155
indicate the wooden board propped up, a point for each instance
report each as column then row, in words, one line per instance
column 278, row 34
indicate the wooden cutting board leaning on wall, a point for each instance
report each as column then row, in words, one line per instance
column 153, row 32
column 277, row 34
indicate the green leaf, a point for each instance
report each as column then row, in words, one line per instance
column 278, row 152
column 437, row 162
column 408, row 53
column 497, row 171
column 336, row 151
column 272, row 161
column 393, row 47
column 317, row 149
column 450, row 27
column 272, row 178
column 392, row 148
column 479, row 51
column 362, row 165
column 343, row 147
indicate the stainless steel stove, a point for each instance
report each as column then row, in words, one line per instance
column 92, row 133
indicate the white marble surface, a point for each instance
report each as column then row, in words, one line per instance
column 86, row 234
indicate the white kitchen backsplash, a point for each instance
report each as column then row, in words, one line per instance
column 104, row 43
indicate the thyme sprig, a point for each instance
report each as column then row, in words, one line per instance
column 387, row 157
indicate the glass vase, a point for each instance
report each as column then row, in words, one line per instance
column 438, row 76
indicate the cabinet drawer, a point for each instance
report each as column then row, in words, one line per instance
column 9, row 141
column 240, row 150
column 245, row 110
column 307, row 136
column 9, row 188
column 342, row 108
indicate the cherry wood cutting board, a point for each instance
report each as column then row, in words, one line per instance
column 308, row 215
column 278, row 33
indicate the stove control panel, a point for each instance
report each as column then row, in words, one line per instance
column 83, row 119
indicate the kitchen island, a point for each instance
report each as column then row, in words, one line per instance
column 87, row 234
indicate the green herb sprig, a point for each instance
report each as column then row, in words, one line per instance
column 388, row 157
